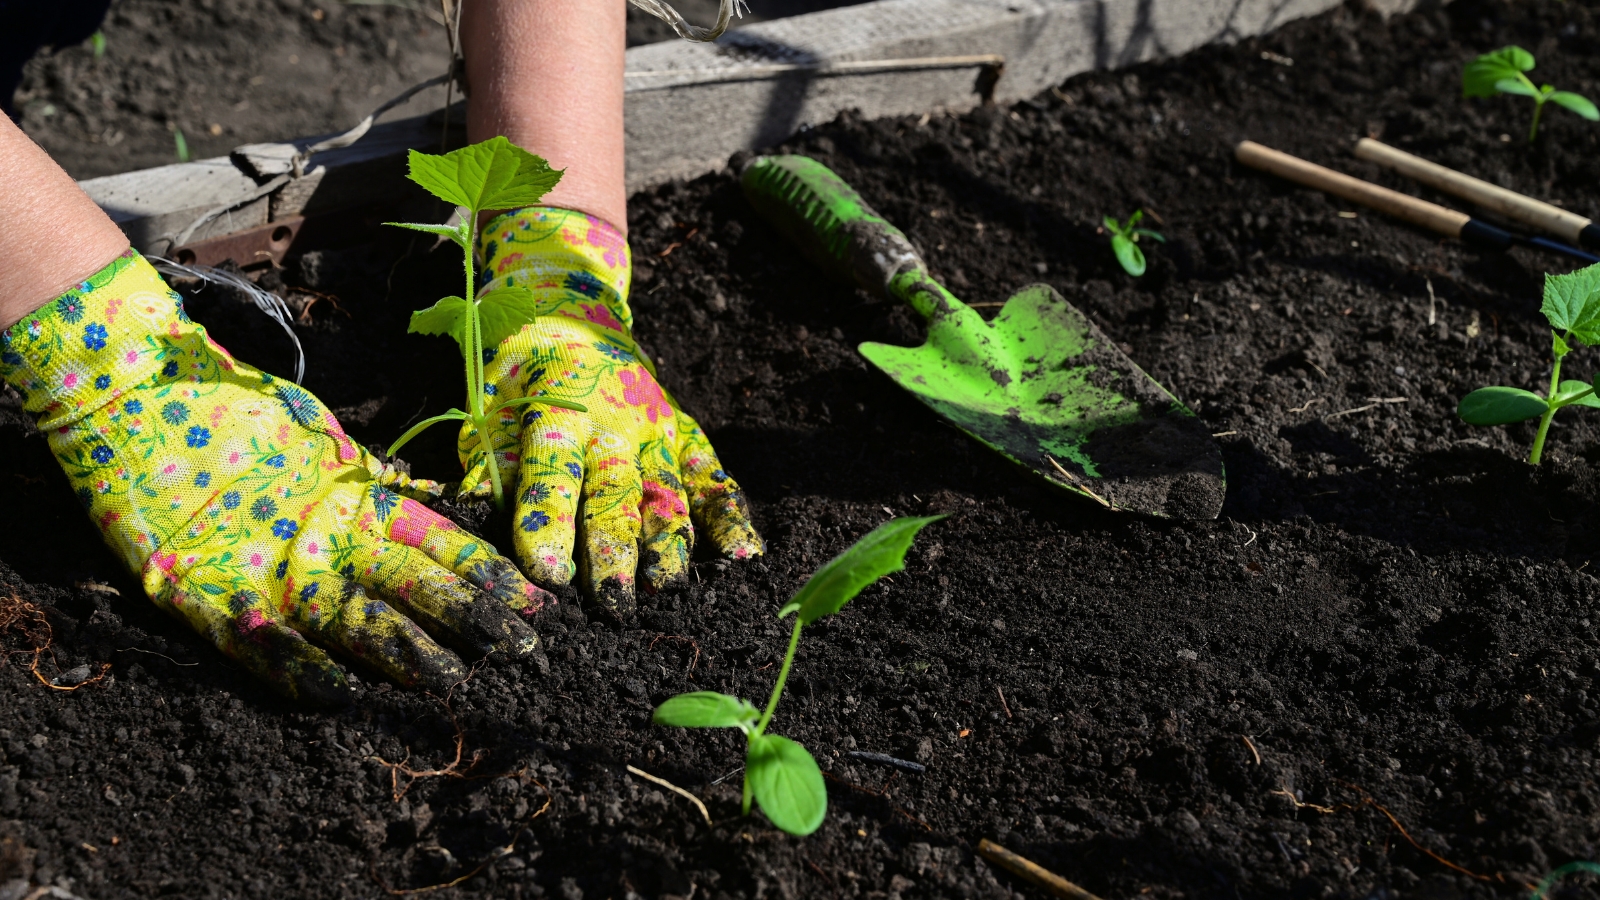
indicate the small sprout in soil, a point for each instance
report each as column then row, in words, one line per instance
column 1500, row 72
column 1572, row 304
column 97, row 44
column 494, row 174
column 181, row 143
column 1125, row 242
column 777, row 771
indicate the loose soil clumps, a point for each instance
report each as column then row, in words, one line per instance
column 1392, row 624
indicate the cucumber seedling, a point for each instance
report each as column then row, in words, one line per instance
column 1501, row 72
column 779, row 772
column 494, row 174
column 1125, row 242
column 1572, row 304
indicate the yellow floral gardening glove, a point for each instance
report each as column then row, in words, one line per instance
column 610, row 492
column 242, row 505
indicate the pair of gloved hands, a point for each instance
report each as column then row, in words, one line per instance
column 247, row 511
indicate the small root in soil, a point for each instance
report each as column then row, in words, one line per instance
column 22, row 617
column 881, row 793
column 454, row 769
column 1366, row 799
column 680, row 639
column 498, row 854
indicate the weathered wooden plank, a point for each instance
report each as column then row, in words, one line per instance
column 690, row 106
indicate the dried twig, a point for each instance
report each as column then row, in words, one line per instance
column 1076, row 483
column 1003, row 704
column 1372, row 403
column 676, row 790
column 1309, row 403
column 1251, row 744
column 1032, row 871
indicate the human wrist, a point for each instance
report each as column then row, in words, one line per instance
column 576, row 265
column 91, row 344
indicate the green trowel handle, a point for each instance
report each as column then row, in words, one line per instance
column 833, row 226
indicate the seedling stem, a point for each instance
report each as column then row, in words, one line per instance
column 779, row 772
column 494, row 174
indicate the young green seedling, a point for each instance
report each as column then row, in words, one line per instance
column 494, row 174
column 1572, row 304
column 1125, row 242
column 1500, row 72
column 777, row 771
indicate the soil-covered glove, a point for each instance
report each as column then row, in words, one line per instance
column 243, row 506
column 622, row 481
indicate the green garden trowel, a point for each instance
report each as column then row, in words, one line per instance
column 1040, row 383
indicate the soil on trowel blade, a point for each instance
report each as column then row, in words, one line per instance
column 1393, row 622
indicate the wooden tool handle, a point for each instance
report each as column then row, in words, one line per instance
column 1447, row 222
column 1512, row 205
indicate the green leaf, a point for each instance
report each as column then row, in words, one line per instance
column 1576, row 103
column 449, row 231
column 503, row 311
column 449, row 316
column 882, row 551
column 1112, row 225
column 1480, row 76
column 492, row 174
column 1500, row 406
column 787, row 783
column 705, row 709
column 1572, row 303
column 545, row 401
column 1129, row 255
column 453, row 415
column 1572, row 388
column 1145, row 232
column 1517, row 86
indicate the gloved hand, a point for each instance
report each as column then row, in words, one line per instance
column 243, row 506
column 634, row 467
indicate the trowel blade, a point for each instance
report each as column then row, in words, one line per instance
column 1048, row 390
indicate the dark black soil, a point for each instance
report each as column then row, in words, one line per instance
column 1393, row 610
column 231, row 72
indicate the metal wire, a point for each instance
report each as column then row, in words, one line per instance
column 266, row 301
column 688, row 32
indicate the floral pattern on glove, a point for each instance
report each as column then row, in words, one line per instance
column 243, row 506
column 607, row 495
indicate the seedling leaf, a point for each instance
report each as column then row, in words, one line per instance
column 448, row 231
column 705, row 709
column 1500, row 406
column 1576, row 103
column 504, row 311
column 787, row 783
column 1481, row 77
column 493, row 174
column 1572, row 303
column 1128, row 254
column 1572, row 388
column 1516, row 86
column 881, row 552
column 448, row 316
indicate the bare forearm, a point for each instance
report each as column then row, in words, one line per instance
column 547, row 74
column 52, row 236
